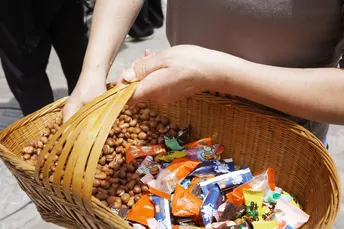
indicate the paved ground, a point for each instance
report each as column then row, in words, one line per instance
column 12, row 198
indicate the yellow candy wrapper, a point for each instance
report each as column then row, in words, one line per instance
column 172, row 156
column 253, row 203
column 265, row 224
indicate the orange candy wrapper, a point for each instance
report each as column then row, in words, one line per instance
column 133, row 152
column 184, row 204
column 261, row 182
column 168, row 178
column 199, row 143
column 142, row 211
column 236, row 197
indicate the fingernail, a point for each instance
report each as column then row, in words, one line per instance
column 129, row 75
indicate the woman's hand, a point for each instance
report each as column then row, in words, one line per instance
column 84, row 92
column 172, row 74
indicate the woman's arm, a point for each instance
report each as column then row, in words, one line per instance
column 315, row 94
column 111, row 22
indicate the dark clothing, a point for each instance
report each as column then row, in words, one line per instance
column 150, row 17
column 285, row 33
column 28, row 29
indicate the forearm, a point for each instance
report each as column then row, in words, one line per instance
column 315, row 94
column 111, row 22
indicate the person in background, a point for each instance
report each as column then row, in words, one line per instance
column 280, row 54
column 28, row 30
column 150, row 17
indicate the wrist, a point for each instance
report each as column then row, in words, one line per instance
column 226, row 70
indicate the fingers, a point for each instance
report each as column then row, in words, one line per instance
column 143, row 67
column 70, row 109
column 148, row 52
column 120, row 78
column 151, row 88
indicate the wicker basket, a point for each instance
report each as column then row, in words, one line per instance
column 250, row 136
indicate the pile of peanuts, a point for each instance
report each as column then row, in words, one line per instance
column 116, row 183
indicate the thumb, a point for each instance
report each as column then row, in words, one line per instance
column 142, row 68
column 70, row 108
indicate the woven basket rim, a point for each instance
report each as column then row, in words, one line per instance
column 227, row 102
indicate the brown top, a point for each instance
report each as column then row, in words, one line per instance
column 285, row 33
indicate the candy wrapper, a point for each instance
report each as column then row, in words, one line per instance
column 263, row 182
column 236, row 197
column 212, row 168
column 229, row 211
column 184, row 136
column 210, row 204
column 185, row 221
column 224, row 224
column 138, row 226
column 172, row 143
column 177, row 142
column 195, row 188
column 133, row 152
column 289, row 215
column 185, row 227
column 290, row 199
column 141, row 211
column 184, row 204
column 272, row 197
column 162, row 212
column 122, row 212
column 253, row 203
column 265, row 224
column 199, row 143
column 146, row 164
column 148, row 179
column 205, row 153
column 168, row 178
column 228, row 180
column 171, row 156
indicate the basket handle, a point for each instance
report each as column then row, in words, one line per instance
column 81, row 140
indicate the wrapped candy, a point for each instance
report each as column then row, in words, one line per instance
column 265, row 224
column 172, row 143
column 162, row 212
column 133, row 152
column 199, row 143
column 146, row 164
column 228, row 180
column 141, row 211
column 171, row 156
column 185, row 227
column 229, row 211
column 263, row 182
column 288, row 214
column 236, row 197
column 205, row 153
column 184, row 204
column 168, row 178
column 212, row 168
column 210, row 205
column 253, row 203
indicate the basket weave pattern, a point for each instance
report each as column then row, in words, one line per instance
column 251, row 137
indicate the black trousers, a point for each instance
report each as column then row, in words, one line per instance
column 150, row 17
column 28, row 30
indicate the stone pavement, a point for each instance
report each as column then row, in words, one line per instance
column 13, row 198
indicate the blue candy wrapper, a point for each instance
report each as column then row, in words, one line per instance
column 210, row 204
column 228, row 180
column 213, row 168
column 162, row 212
